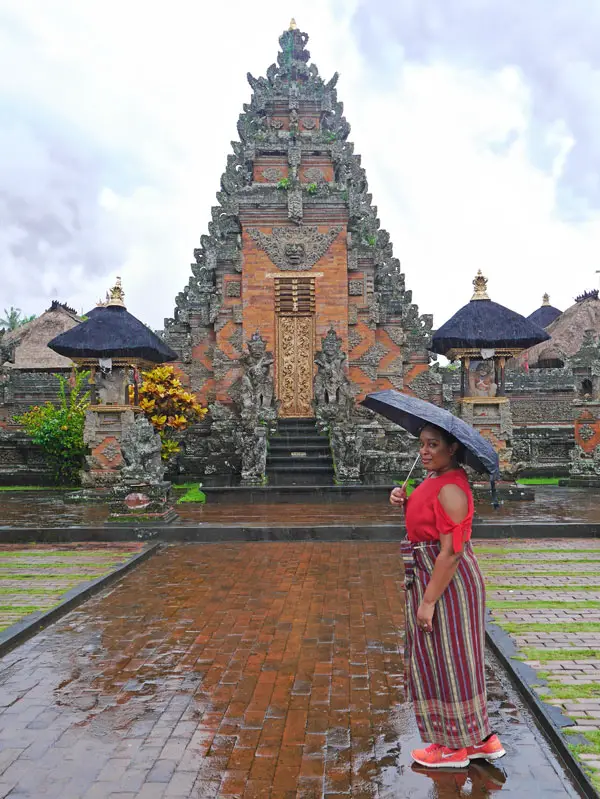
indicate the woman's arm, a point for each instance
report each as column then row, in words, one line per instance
column 454, row 501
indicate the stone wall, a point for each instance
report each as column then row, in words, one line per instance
column 21, row 462
column 22, row 388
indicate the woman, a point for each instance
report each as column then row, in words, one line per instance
column 445, row 611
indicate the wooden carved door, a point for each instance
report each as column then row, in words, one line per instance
column 294, row 304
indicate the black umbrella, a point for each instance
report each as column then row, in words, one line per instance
column 412, row 414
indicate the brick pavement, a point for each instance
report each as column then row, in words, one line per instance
column 243, row 670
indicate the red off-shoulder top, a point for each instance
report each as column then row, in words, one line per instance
column 425, row 517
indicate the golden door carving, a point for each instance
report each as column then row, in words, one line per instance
column 295, row 366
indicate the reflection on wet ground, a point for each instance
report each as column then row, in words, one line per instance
column 47, row 509
column 241, row 670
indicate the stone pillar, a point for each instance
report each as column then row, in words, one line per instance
column 492, row 417
column 104, row 428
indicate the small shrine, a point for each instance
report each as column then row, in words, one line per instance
column 125, row 449
column 483, row 336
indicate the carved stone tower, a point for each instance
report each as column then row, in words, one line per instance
column 295, row 249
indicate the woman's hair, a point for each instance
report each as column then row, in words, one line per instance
column 449, row 439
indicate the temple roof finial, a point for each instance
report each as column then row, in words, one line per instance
column 116, row 295
column 293, row 26
column 546, row 299
column 480, row 284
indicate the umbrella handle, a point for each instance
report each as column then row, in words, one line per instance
column 412, row 468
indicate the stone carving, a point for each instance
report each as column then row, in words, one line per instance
column 427, row 385
column 585, row 466
column 333, row 395
column 252, row 445
column 295, row 248
column 256, row 386
column 272, row 174
column 111, row 386
column 236, row 339
column 295, row 205
column 234, row 288
column 314, row 175
column 354, row 339
column 308, row 123
column 346, row 446
column 356, row 288
column 396, row 333
column 586, row 432
column 141, row 447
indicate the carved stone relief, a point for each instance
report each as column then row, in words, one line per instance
column 356, row 288
column 296, row 249
column 234, row 288
column 272, row 174
column 333, row 395
column 314, row 175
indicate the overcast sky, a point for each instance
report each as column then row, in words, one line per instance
column 478, row 122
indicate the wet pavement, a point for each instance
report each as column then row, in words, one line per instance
column 36, row 577
column 241, row 670
column 48, row 509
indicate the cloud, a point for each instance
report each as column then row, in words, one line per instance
column 477, row 136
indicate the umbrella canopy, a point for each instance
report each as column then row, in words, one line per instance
column 486, row 325
column 112, row 332
column 412, row 414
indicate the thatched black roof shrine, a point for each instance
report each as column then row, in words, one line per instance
column 112, row 332
column 483, row 324
column 544, row 315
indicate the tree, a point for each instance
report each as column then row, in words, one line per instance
column 13, row 319
column 168, row 406
column 58, row 428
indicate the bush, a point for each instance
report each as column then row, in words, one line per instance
column 58, row 429
column 168, row 406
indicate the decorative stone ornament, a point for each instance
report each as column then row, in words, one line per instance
column 295, row 249
column 480, row 283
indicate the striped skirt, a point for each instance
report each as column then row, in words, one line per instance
column 445, row 669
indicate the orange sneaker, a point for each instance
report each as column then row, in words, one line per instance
column 491, row 749
column 436, row 756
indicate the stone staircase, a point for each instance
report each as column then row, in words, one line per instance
column 299, row 455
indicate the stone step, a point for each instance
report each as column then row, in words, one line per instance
column 315, row 438
column 314, row 448
column 302, row 468
column 304, row 460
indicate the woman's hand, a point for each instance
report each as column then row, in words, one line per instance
column 425, row 616
column 398, row 497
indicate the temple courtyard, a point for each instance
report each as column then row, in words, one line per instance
column 274, row 669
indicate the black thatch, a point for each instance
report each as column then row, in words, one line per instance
column 483, row 324
column 588, row 295
column 112, row 332
column 544, row 316
column 96, row 309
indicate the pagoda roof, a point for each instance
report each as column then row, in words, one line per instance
column 483, row 324
column 567, row 332
column 112, row 332
column 545, row 314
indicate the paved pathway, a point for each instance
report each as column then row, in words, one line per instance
column 269, row 670
column 568, row 658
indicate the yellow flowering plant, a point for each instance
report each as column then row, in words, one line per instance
column 168, row 406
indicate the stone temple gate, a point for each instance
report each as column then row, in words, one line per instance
column 295, row 258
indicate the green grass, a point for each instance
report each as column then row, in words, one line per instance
column 538, row 481
column 545, row 655
column 37, row 488
column 549, row 627
column 71, row 578
column 34, row 591
column 22, row 610
column 518, row 604
column 193, row 495
column 589, row 690
column 568, row 589
column 543, row 573
column 479, row 550
column 58, row 553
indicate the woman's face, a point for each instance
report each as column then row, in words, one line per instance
column 436, row 454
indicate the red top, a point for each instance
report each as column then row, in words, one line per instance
column 425, row 517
